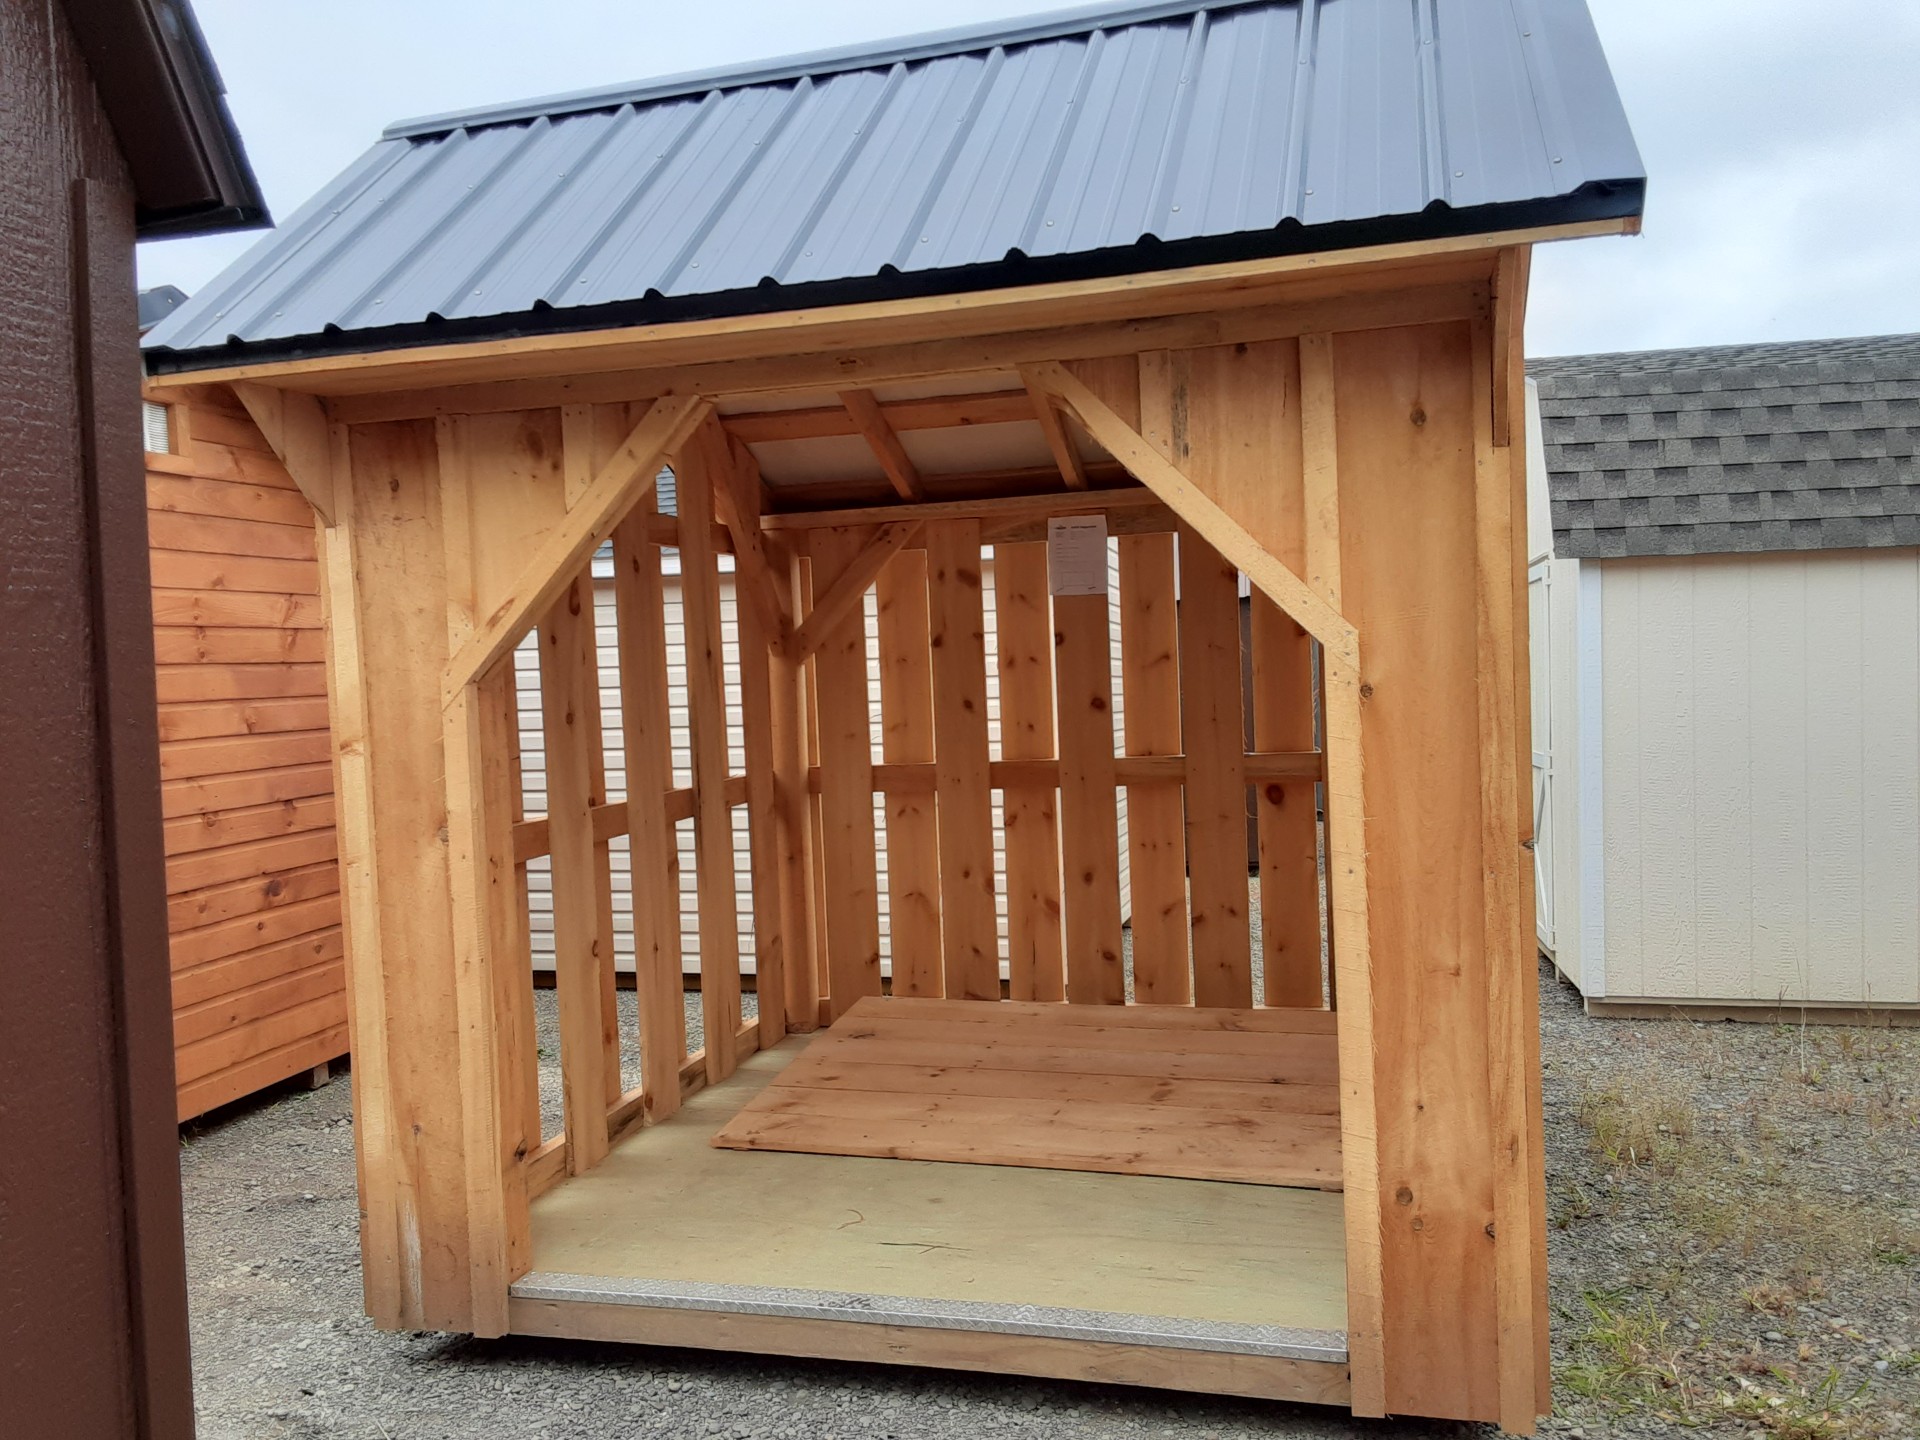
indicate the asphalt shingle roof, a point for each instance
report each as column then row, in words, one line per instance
column 1810, row 445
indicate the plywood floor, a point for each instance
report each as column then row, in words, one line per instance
column 669, row 1213
column 1244, row 1095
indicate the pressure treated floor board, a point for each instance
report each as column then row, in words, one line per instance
column 1241, row 1095
column 667, row 1209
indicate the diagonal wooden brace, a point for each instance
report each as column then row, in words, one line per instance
column 1220, row 530
column 622, row 482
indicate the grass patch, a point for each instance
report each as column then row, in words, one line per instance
column 1632, row 1123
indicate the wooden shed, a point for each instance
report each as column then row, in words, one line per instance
column 253, row 881
column 1241, row 284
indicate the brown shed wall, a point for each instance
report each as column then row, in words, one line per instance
column 92, row 1275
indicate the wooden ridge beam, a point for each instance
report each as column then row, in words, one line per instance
column 295, row 429
column 871, row 421
column 621, row 482
column 1219, row 529
column 846, row 592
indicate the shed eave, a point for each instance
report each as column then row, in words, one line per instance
column 1152, row 266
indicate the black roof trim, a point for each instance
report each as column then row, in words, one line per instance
column 1615, row 201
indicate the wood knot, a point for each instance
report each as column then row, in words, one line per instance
column 1366, row 692
column 1403, row 1196
column 1276, row 793
column 1419, row 416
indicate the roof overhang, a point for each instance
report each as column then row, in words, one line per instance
column 167, row 106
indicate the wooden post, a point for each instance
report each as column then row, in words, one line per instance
column 792, row 756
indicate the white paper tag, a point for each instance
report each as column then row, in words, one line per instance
column 1077, row 554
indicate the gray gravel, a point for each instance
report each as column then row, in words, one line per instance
column 281, row 1349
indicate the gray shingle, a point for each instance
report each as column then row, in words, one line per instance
column 1738, row 448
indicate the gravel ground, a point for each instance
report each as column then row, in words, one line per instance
column 1735, row 1249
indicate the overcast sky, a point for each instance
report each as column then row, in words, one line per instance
column 1782, row 138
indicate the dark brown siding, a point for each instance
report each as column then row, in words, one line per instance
column 92, row 1287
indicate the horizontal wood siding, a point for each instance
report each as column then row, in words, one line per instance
column 1761, row 777
column 253, row 880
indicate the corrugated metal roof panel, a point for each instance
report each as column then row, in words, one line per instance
column 1097, row 142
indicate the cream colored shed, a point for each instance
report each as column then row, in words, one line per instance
column 1725, row 594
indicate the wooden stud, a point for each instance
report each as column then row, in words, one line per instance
column 871, row 422
column 1213, row 524
column 645, row 729
column 797, row 858
column 570, row 699
column 907, row 737
column 847, row 861
column 1089, row 821
column 1156, row 824
column 707, row 720
column 1024, row 627
column 849, row 589
column 1211, row 716
column 617, row 486
column 1287, row 812
column 736, row 488
column 969, row 923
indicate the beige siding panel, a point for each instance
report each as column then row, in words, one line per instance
column 1762, row 777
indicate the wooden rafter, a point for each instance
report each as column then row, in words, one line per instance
column 871, row 421
column 1073, row 470
column 840, row 598
column 619, row 485
column 939, row 412
column 295, row 428
column 1227, row 535
column 736, row 505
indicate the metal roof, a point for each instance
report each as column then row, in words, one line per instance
column 1095, row 142
column 1811, row 445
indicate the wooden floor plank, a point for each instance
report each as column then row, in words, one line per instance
column 1241, row 1095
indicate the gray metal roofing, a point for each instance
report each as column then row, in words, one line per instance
column 1100, row 141
column 1811, row 445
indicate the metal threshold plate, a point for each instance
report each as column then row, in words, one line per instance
column 1220, row 1337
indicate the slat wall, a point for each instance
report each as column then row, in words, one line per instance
column 253, row 884
column 533, row 761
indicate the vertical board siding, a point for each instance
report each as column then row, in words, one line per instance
column 253, row 905
column 1761, row 777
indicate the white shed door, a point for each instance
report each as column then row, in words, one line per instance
column 1540, row 652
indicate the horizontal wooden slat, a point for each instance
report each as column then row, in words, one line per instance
column 531, row 837
column 918, row 779
column 229, row 1047
column 182, row 684
column 192, row 495
column 197, row 570
column 1104, row 1089
column 242, row 717
column 242, row 609
column 250, row 967
column 253, row 1073
column 210, row 829
column 256, row 1002
column 231, row 792
column 188, row 645
column 182, row 759
column 214, row 426
column 223, row 462
column 253, row 857
column 215, row 903
column 995, row 510
column 215, row 535
column 189, row 948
